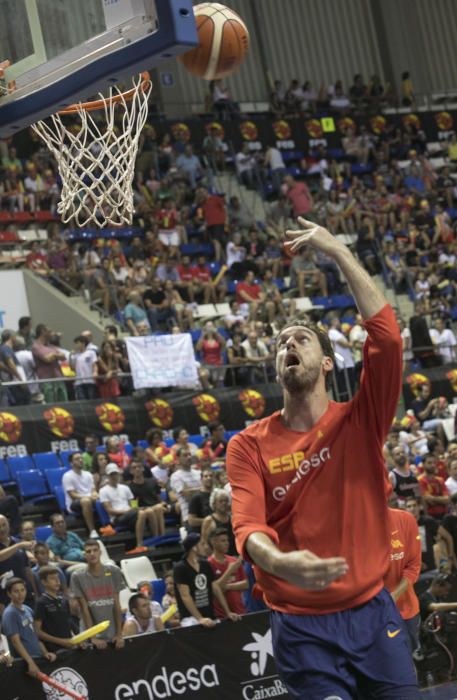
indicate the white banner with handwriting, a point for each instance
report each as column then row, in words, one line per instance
column 162, row 360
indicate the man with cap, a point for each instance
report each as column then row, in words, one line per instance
column 117, row 499
column 196, row 586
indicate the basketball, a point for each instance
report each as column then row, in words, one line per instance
column 224, row 42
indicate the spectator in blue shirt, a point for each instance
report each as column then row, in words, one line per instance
column 67, row 546
column 134, row 313
column 17, row 625
column 190, row 165
column 413, row 182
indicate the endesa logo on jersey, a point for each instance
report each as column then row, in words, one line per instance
column 297, row 461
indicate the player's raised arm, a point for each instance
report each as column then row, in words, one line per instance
column 368, row 298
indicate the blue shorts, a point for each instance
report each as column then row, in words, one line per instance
column 357, row 654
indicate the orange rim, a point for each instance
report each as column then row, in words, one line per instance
column 101, row 104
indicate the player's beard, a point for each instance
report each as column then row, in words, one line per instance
column 300, row 382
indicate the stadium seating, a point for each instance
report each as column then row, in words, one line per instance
column 136, row 570
column 46, row 460
column 32, row 486
column 54, row 477
column 17, row 464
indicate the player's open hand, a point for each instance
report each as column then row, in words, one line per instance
column 306, row 570
column 311, row 234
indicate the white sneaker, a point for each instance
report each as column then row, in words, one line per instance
column 93, row 535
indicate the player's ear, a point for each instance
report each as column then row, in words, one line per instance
column 327, row 364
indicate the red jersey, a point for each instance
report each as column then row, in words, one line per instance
column 168, row 218
column 234, row 598
column 300, row 198
column 324, row 490
column 405, row 560
column 433, row 486
column 202, row 273
column 252, row 289
column 186, row 274
column 214, row 210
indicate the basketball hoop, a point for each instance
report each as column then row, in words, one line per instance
column 96, row 158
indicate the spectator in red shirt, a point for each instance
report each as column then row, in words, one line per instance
column 36, row 261
column 214, row 214
column 249, row 292
column 186, row 279
column 434, row 491
column 228, row 572
column 204, row 290
column 299, row 196
column 211, row 345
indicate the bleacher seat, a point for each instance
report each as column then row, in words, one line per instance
column 128, row 448
column 197, row 439
column 60, row 498
column 169, row 538
column 169, row 442
column 158, row 589
column 42, row 532
column 32, row 485
column 142, row 443
column 17, row 464
column 54, row 477
column 46, row 460
column 136, row 570
column 4, row 472
column 230, row 433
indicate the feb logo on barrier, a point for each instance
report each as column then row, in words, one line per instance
column 160, row 413
column 253, row 402
column 10, row 428
column 60, row 422
column 69, row 678
column 111, row 417
column 207, row 407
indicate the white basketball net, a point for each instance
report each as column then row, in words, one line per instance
column 96, row 158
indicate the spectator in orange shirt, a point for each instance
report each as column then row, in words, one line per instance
column 405, row 568
column 433, row 490
column 299, row 196
column 229, row 573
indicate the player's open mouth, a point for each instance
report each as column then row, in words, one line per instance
column 292, row 360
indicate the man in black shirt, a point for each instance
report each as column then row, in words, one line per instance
column 433, row 600
column 218, row 442
column 52, row 612
column 403, row 481
column 195, row 586
column 199, row 506
column 428, row 530
column 157, row 306
column 147, row 492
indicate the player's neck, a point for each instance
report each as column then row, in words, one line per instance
column 301, row 413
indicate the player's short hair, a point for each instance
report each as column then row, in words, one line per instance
column 91, row 542
column 324, row 342
column 13, row 581
column 46, row 571
column 133, row 601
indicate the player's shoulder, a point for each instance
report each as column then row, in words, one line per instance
column 258, row 430
column 402, row 517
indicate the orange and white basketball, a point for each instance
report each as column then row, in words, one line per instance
column 224, row 42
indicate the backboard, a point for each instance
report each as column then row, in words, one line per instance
column 66, row 51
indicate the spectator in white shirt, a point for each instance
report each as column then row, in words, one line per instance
column 451, row 481
column 245, row 166
column 185, row 481
column 445, row 339
column 235, row 252
column 27, row 368
column 345, row 365
column 84, row 362
column 274, row 161
column 80, row 492
column 119, row 502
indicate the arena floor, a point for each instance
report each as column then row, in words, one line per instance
column 442, row 692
